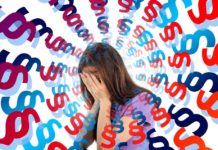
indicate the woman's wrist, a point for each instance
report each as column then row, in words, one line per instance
column 95, row 107
column 105, row 103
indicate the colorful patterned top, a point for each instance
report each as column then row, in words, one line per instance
column 134, row 107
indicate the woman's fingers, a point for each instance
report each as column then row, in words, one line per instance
column 85, row 81
column 89, row 83
column 95, row 80
column 93, row 83
column 97, row 89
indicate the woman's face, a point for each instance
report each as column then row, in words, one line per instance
column 91, row 70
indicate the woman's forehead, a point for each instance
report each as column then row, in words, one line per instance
column 89, row 69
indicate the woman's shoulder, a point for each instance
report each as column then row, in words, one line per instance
column 139, row 97
column 137, row 102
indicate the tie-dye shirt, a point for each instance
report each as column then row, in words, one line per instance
column 136, row 104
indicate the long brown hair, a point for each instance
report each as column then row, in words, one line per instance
column 112, row 70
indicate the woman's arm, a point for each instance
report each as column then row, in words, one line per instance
column 103, row 120
column 89, row 136
column 100, row 92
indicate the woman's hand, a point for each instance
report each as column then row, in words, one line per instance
column 97, row 88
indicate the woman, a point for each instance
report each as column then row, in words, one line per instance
column 107, row 84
